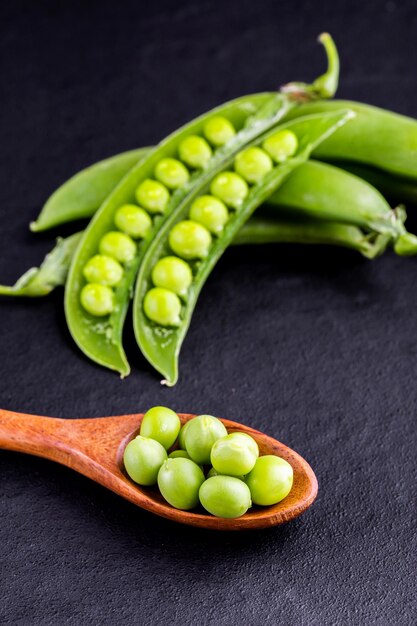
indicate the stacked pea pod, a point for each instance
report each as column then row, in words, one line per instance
column 162, row 217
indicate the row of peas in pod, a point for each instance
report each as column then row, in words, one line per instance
column 221, row 471
column 117, row 248
column 190, row 239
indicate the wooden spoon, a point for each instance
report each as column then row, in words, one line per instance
column 94, row 447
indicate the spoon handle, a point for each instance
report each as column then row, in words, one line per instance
column 41, row 436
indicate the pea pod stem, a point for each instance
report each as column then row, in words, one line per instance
column 40, row 281
column 161, row 346
column 325, row 86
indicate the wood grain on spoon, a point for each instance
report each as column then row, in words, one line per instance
column 94, row 448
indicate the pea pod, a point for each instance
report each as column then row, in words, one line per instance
column 101, row 339
column 161, row 345
column 397, row 190
column 263, row 229
column 82, row 195
column 95, row 313
column 321, row 191
column 40, row 281
column 376, row 138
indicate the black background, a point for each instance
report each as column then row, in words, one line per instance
column 317, row 347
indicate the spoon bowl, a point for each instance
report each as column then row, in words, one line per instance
column 94, row 447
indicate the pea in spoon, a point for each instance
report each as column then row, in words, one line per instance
column 94, row 447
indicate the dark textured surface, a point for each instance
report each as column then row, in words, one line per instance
column 316, row 347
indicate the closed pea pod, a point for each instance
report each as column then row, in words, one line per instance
column 83, row 194
column 377, row 138
column 162, row 349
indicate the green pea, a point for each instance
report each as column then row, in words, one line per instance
column 103, row 270
column 181, row 436
column 172, row 173
column 162, row 306
column 152, row 195
column 179, row 454
column 234, row 455
column 253, row 164
column 161, row 424
column 231, row 188
column 119, row 246
column 97, row 299
column 219, row 130
column 182, row 454
column 213, row 472
column 201, row 433
column 179, row 481
column 133, row 221
column 195, row 151
column 281, row 145
column 190, row 240
column 143, row 459
column 210, row 212
column 271, row 480
column 172, row 273
column 225, row 496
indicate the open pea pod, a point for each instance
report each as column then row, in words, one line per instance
column 95, row 312
column 161, row 344
column 100, row 337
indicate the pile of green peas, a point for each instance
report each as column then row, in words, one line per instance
column 190, row 239
column 236, row 476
